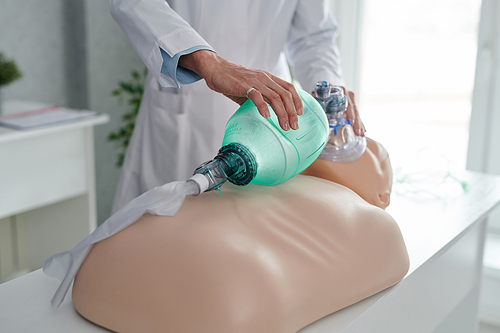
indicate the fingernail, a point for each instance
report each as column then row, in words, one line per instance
column 295, row 125
column 267, row 114
column 287, row 126
column 300, row 111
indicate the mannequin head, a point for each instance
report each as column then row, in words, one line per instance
column 370, row 176
column 252, row 259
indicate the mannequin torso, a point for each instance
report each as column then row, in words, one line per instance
column 252, row 259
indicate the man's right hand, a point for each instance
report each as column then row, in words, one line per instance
column 234, row 81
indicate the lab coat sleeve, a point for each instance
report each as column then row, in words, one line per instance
column 152, row 27
column 311, row 45
column 180, row 74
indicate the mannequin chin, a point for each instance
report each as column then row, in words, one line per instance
column 370, row 176
column 252, row 259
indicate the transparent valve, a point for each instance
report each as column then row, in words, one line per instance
column 234, row 162
column 343, row 145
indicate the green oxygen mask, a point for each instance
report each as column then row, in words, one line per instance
column 255, row 150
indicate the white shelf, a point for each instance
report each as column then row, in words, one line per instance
column 47, row 178
column 14, row 106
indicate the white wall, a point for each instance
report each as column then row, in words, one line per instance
column 31, row 32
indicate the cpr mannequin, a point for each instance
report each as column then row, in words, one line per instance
column 253, row 259
column 370, row 176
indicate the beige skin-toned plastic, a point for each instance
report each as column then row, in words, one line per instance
column 254, row 259
column 370, row 176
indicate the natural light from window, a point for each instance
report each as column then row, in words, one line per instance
column 417, row 73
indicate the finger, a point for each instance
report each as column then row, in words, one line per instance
column 297, row 101
column 256, row 97
column 351, row 108
column 281, row 100
column 282, row 106
column 356, row 122
column 286, row 100
column 353, row 114
column 276, row 103
column 359, row 127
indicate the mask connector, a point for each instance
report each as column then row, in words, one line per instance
column 342, row 145
column 234, row 162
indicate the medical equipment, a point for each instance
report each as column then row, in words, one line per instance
column 343, row 145
column 187, row 125
column 256, row 150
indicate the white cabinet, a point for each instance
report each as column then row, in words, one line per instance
column 47, row 189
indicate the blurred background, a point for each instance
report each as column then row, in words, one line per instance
column 416, row 76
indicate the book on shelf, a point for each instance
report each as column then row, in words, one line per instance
column 43, row 117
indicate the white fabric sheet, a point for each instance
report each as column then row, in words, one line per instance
column 163, row 200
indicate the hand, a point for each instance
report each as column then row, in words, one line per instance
column 353, row 114
column 234, row 81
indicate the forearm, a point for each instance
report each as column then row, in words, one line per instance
column 153, row 26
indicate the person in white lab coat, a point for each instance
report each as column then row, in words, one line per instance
column 242, row 49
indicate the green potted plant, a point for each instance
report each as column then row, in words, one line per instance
column 133, row 91
column 8, row 73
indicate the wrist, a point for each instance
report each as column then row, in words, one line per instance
column 198, row 61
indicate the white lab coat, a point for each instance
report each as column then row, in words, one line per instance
column 178, row 129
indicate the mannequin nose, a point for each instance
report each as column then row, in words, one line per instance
column 384, row 199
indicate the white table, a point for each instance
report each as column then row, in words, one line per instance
column 47, row 188
column 445, row 241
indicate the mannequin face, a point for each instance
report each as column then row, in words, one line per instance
column 252, row 259
column 370, row 176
